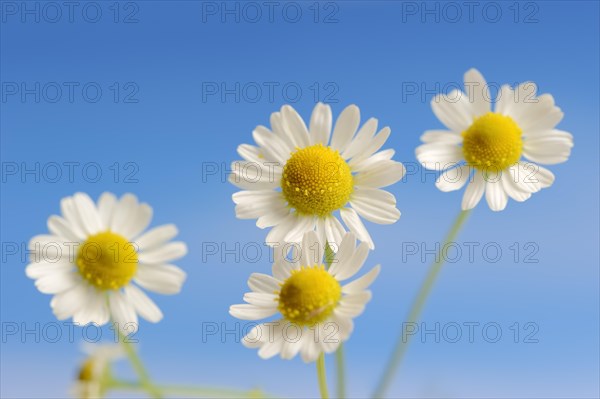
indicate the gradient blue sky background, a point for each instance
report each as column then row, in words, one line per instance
column 368, row 54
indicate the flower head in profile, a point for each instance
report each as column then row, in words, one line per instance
column 298, row 177
column 486, row 148
column 316, row 311
column 97, row 256
column 95, row 371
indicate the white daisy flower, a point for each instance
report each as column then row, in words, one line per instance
column 490, row 144
column 316, row 310
column 95, row 253
column 95, row 371
column 297, row 177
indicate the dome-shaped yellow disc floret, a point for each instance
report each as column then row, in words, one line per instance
column 107, row 260
column 309, row 295
column 492, row 142
column 316, row 181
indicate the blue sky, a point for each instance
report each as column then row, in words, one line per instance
column 150, row 98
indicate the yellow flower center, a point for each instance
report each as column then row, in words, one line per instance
column 86, row 372
column 107, row 260
column 309, row 295
column 316, row 181
column 493, row 141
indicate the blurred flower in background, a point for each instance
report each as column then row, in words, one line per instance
column 95, row 253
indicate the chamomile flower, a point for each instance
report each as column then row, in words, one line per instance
column 297, row 177
column 486, row 148
column 316, row 309
column 96, row 252
column 95, row 371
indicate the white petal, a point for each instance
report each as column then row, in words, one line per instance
column 350, row 217
column 67, row 303
column 125, row 208
column 294, row 125
column 505, row 100
column 375, row 205
column 95, row 309
column 272, row 146
column 63, row 229
column 348, row 267
column 106, row 206
column 256, row 203
column 272, row 218
column 57, row 282
column 71, row 215
column 282, row 268
column 363, row 282
column 548, row 148
column 277, row 234
column 290, row 348
column 362, row 139
column 250, row 153
column 261, row 299
column 375, row 144
column 301, row 225
column 334, row 231
column 345, row 127
column 344, row 252
column 453, row 179
column 453, row 110
column 478, row 92
column 122, row 312
column 381, row 174
column 255, row 175
column 251, row 312
column 312, row 250
column 474, row 192
column 143, row 305
column 310, row 349
column 495, row 195
column 88, row 214
column 320, row 124
column 164, row 279
column 43, row 268
column 270, row 349
column 358, row 165
column 156, row 237
column 164, row 253
column 138, row 222
column 439, row 156
column 441, row 136
column 514, row 190
column 545, row 177
column 259, row 282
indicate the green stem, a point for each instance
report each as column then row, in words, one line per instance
column 321, row 376
column 339, row 354
column 187, row 390
column 341, row 372
column 415, row 311
column 138, row 367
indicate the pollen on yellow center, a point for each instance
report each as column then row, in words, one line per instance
column 493, row 141
column 316, row 180
column 107, row 260
column 309, row 295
